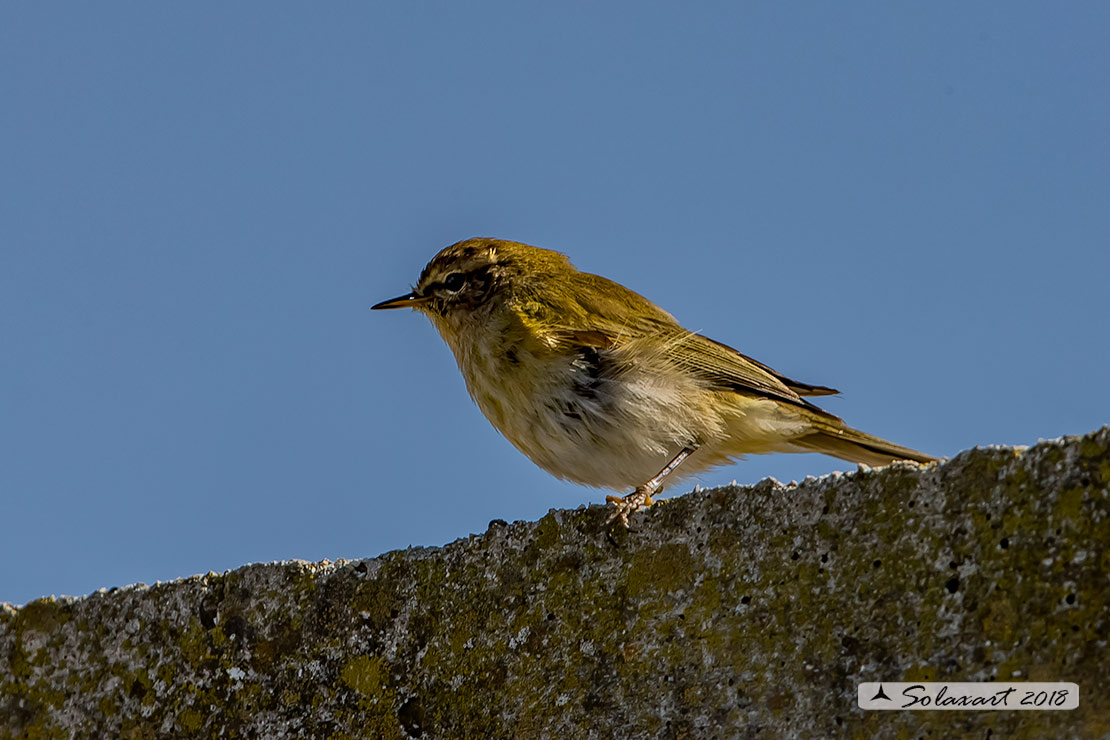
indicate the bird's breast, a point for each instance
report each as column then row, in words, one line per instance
column 520, row 383
column 581, row 413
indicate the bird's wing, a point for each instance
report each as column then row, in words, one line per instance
column 729, row 370
column 802, row 389
column 607, row 315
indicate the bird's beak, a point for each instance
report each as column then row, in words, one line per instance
column 408, row 300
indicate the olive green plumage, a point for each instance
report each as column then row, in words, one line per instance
column 598, row 385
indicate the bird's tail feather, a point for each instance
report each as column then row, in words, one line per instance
column 856, row 446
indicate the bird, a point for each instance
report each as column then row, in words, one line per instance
column 599, row 386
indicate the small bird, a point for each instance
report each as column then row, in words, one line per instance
column 599, row 386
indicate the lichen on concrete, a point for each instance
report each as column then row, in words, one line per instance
column 731, row 612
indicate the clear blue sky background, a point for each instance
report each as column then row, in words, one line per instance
column 200, row 201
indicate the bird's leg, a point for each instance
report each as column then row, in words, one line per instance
column 625, row 505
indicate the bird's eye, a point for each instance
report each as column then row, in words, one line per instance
column 454, row 282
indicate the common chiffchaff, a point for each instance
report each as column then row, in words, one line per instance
column 598, row 385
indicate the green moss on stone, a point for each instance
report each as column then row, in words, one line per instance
column 755, row 608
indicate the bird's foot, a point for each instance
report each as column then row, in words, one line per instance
column 625, row 505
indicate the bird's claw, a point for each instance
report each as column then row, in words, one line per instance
column 625, row 505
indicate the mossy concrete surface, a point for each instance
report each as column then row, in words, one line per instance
column 733, row 612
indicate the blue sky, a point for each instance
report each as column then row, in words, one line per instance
column 199, row 202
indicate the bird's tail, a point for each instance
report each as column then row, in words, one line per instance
column 855, row 446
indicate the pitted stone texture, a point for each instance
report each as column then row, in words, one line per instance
column 732, row 612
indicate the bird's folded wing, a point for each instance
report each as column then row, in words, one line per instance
column 609, row 315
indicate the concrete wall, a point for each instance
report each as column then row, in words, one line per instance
column 733, row 612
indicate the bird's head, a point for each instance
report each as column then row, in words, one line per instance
column 476, row 273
